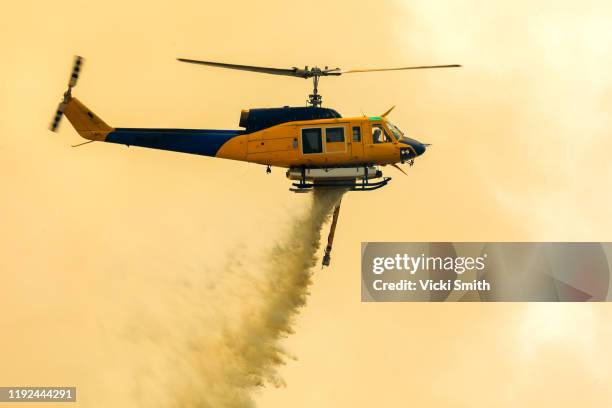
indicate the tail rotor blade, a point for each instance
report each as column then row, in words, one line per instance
column 76, row 70
column 74, row 76
column 58, row 117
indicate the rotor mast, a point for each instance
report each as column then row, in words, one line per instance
column 315, row 99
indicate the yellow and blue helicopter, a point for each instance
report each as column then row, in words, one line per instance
column 318, row 147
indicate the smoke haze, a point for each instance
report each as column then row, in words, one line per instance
column 125, row 270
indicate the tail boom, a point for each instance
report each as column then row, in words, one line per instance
column 206, row 142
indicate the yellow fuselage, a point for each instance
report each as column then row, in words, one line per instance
column 284, row 146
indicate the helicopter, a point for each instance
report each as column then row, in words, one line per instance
column 318, row 147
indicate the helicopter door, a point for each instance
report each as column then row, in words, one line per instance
column 335, row 141
column 380, row 145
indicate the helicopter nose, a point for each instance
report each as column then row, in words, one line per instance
column 417, row 147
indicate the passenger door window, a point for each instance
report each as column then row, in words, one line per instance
column 356, row 134
column 312, row 141
column 334, row 135
column 334, row 140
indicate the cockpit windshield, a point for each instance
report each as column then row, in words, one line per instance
column 395, row 130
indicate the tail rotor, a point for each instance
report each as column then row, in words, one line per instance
column 74, row 76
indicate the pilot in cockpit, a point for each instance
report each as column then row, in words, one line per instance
column 377, row 135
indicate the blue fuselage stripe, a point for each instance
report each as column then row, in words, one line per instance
column 206, row 142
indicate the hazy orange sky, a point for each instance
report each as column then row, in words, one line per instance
column 108, row 254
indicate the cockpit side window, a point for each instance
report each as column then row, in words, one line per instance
column 380, row 135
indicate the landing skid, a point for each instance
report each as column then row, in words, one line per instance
column 352, row 185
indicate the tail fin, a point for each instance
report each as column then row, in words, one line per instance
column 85, row 122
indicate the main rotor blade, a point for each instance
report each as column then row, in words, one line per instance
column 295, row 72
column 352, row 71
